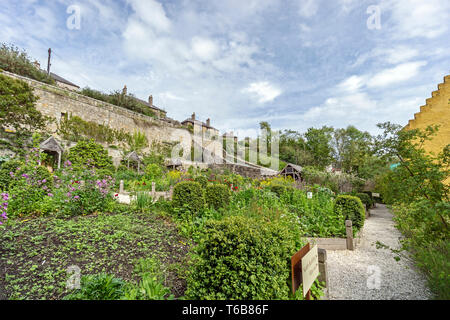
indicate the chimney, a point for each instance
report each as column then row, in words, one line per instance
column 37, row 65
column 193, row 116
column 208, row 122
column 124, row 90
column 150, row 101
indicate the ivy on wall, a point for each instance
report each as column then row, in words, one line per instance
column 75, row 129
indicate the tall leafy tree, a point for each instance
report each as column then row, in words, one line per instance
column 318, row 142
column 17, row 108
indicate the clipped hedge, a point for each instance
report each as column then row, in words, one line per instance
column 217, row 195
column 203, row 181
column 352, row 208
column 188, row 196
column 241, row 258
column 365, row 199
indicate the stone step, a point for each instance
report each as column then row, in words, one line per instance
column 447, row 79
column 435, row 93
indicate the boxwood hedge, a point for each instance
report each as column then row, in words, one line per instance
column 188, row 196
column 241, row 258
column 352, row 208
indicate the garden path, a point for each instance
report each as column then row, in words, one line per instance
column 368, row 273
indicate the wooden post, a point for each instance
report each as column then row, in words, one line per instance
column 121, row 187
column 171, row 193
column 323, row 277
column 349, row 231
column 153, row 189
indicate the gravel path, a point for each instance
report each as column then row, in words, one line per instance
column 368, row 273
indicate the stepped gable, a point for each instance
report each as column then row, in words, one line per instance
column 436, row 111
column 438, row 104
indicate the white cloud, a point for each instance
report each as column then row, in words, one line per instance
column 352, row 84
column 308, row 8
column 152, row 13
column 205, row 49
column 418, row 18
column 400, row 73
column 263, row 91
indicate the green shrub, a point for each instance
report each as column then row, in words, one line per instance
column 153, row 171
column 188, row 196
column 217, row 195
column 98, row 287
column 14, row 60
column 278, row 190
column 352, row 208
column 241, row 258
column 365, row 199
column 5, row 169
column 202, row 180
column 88, row 152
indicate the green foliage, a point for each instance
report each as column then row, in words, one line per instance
column 5, row 169
column 202, row 180
column 217, row 195
column 279, row 190
column 137, row 141
column 75, row 129
column 87, row 152
column 241, row 258
column 365, row 199
column 117, row 98
column 419, row 174
column 14, row 60
column 188, row 196
column 17, row 107
column 153, row 171
column 98, row 287
column 427, row 238
column 352, row 208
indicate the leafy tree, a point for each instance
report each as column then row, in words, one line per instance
column 17, row 109
column 14, row 60
column 319, row 144
column 419, row 175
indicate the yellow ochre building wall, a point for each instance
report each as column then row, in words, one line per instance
column 436, row 111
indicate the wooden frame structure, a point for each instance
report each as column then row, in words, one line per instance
column 52, row 146
column 293, row 171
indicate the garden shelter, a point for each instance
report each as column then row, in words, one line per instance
column 52, row 147
column 293, row 171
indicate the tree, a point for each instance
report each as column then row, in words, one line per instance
column 17, row 108
column 318, row 142
column 419, row 175
column 352, row 150
column 16, row 61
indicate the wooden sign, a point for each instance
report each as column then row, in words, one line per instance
column 377, row 195
column 310, row 269
column 305, row 269
column 309, row 195
column 296, row 267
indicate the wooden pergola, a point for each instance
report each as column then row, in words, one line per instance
column 292, row 170
column 52, row 146
column 134, row 157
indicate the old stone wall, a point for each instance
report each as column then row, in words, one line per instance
column 57, row 102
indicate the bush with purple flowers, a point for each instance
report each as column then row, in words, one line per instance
column 3, row 207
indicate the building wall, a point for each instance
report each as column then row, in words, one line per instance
column 436, row 111
column 55, row 102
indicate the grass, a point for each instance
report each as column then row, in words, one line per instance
column 35, row 254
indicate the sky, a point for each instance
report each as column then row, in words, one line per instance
column 295, row 64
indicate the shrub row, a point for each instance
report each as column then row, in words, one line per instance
column 193, row 197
